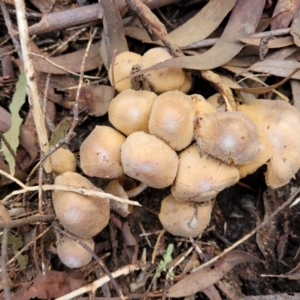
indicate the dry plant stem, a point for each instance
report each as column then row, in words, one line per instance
column 32, row 90
column 100, row 262
column 26, row 221
column 4, row 278
column 247, row 236
column 68, row 188
column 10, row 29
column 98, row 283
column 154, row 26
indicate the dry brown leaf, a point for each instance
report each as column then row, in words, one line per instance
column 295, row 28
column 273, row 43
column 113, row 36
column 208, row 19
column 18, row 174
column 71, row 61
column 284, row 12
column 58, row 284
column 210, row 274
column 5, row 120
column 242, row 23
column 295, row 85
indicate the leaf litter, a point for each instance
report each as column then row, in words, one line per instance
column 231, row 47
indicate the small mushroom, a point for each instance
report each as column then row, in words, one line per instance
column 63, row 160
column 148, row 159
column 100, row 153
column 187, row 219
column 84, row 216
column 72, row 254
column 201, row 105
column 121, row 68
column 129, row 111
column 278, row 125
column 187, row 83
column 162, row 80
column 229, row 136
column 172, row 119
column 201, row 177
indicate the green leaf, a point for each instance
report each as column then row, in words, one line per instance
column 12, row 135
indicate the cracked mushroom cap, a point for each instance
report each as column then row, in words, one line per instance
column 229, row 136
column 63, row 160
column 122, row 67
column 100, row 153
column 84, row 216
column 201, row 177
column 130, row 110
column 149, row 159
column 278, row 124
column 187, row 219
column 72, row 254
column 172, row 119
column 162, row 80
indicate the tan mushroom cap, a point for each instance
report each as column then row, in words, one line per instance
column 72, row 254
column 201, row 177
column 122, row 67
column 201, row 105
column 148, row 159
column 162, row 80
column 278, row 124
column 187, row 219
column 100, row 153
column 187, row 83
column 84, row 216
column 130, row 110
column 63, row 160
column 172, row 119
column 218, row 102
column 229, row 136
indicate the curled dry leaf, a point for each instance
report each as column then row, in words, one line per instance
column 242, row 23
column 295, row 28
column 210, row 274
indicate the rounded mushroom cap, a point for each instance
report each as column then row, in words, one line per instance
column 172, row 119
column 129, row 111
column 72, row 254
column 201, row 177
column 63, row 160
column 187, row 219
column 148, row 159
column 162, row 80
column 100, row 153
column 122, row 67
column 278, row 124
column 229, row 136
column 4, row 214
column 218, row 102
column 187, row 83
column 84, row 216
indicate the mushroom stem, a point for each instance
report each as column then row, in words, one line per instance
column 137, row 190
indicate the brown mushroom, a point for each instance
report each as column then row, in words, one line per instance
column 162, row 80
column 129, row 111
column 84, row 216
column 278, row 125
column 121, row 68
column 172, row 119
column 229, row 136
column 201, row 177
column 63, row 160
column 187, row 219
column 100, row 153
column 148, row 159
column 72, row 254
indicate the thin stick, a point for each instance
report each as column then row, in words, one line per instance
column 4, row 278
column 98, row 283
column 26, row 221
column 271, row 216
column 31, row 79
